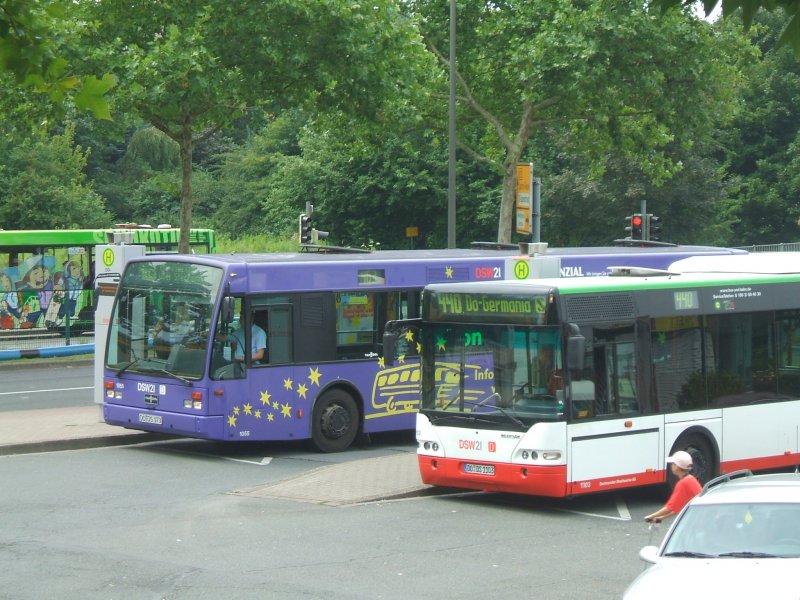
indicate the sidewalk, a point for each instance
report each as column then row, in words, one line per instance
column 73, row 428
column 351, row 482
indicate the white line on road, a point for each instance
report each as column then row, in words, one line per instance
column 88, row 387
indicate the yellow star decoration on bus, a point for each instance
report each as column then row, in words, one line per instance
column 270, row 417
column 314, row 375
column 275, row 405
column 401, row 359
column 419, row 348
column 236, row 410
column 448, row 272
column 257, row 414
column 440, row 343
column 381, row 363
column 248, row 409
column 286, row 410
column 288, row 383
column 231, row 421
column 301, row 390
column 409, row 335
column 265, row 398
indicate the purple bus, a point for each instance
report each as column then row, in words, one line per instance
column 289, row 346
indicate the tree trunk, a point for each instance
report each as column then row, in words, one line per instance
column 186, row 144
column 508, row 201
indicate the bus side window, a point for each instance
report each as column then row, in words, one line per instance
column 279, row 335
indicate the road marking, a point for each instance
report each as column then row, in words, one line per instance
column 90, row 387
column 261, row 463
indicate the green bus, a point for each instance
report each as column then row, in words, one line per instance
column 47, row 276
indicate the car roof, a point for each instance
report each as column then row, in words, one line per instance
column 748, row 488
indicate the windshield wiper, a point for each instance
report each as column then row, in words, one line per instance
column 747, row 554
column 135, row 361
column 459, row 417
column 175, row 375
column 690, row 554
column 494, row 396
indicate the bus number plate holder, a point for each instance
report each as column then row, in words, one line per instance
column 154, row 419
column 479, row 469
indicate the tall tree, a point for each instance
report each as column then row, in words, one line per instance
column 191, row 67
column 594, row 74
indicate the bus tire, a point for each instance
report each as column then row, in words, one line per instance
column 335, row 421
column 704, row 464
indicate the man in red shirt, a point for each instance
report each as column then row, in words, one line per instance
column 685, row 489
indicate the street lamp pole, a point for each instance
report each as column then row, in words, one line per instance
column 451, row 167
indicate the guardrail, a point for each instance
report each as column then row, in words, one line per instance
column 47, row 352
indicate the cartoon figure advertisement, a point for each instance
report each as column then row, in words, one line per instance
column 38, row 292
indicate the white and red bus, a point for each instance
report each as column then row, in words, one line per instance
column 560, row 387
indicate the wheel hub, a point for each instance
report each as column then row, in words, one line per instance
column 335, row 421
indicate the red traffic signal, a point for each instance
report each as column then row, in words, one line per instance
column 634, row 227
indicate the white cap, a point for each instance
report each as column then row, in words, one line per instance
column 681, row 459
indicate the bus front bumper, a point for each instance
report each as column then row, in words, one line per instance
column 195, row 426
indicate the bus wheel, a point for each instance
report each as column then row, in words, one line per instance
column 703, row 466
column 335, row 422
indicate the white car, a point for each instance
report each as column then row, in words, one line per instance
column 738, row 539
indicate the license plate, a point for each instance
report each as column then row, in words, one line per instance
column 479, row 469
column 154, row 419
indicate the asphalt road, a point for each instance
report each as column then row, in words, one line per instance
column 183, row 519
column 42, row 383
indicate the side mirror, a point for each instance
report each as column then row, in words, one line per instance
column 649, row 554
column 389, row 345
column 576, row 348
column 227, row 308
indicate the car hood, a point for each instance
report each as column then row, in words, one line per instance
column 729, row 578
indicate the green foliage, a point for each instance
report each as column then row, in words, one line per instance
column 45, row 188
column 747, row 10
column 32, row 39
column 761, row 144
column 248, row 244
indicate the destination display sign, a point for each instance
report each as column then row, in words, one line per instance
column 456, row 306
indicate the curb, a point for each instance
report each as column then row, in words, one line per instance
column 81, row 443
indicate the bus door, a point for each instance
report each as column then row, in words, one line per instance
column 618, row 446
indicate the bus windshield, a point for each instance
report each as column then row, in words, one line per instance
column 162, row 318
column 507, row 371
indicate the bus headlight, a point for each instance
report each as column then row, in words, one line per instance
column 535, row 455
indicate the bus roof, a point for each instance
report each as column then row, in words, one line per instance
column 758, row 262
column 391, row 255
column 580, row 285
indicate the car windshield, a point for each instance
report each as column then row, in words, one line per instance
column 743, row 530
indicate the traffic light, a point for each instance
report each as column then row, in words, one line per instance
column 634, row 227
column 653, row 227
column 305, row 229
